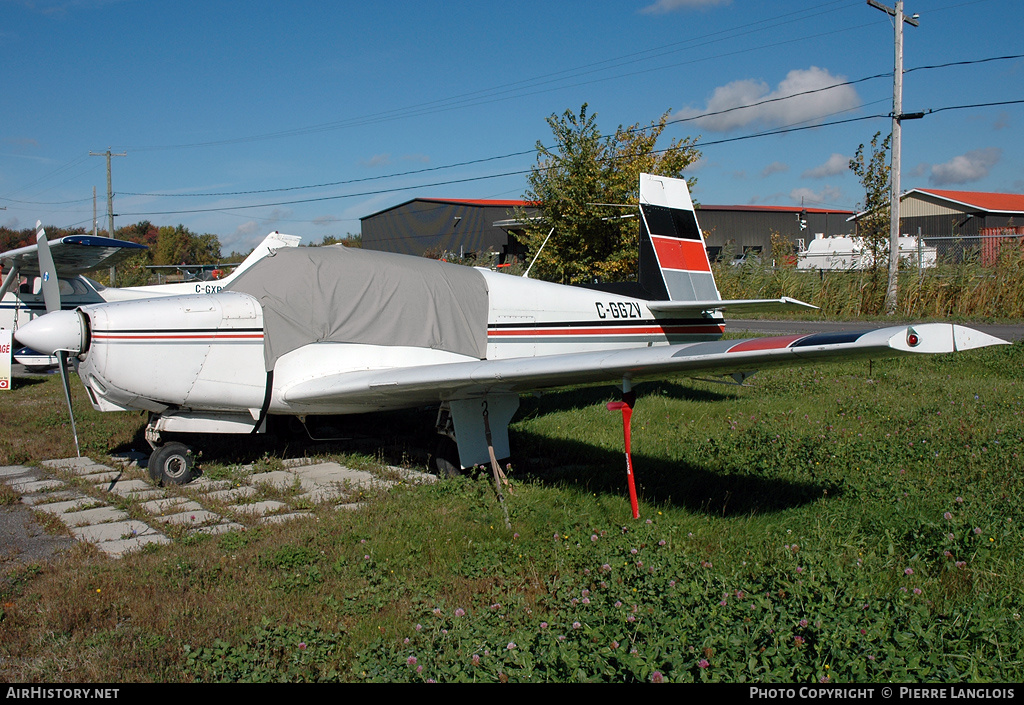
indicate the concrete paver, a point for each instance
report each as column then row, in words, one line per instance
column 31, row 486
column 81, row 501
column 171, row 505
column 233, row 495
column 54, row 496
column 263, row 508
column 117, row 549
column 112, row 531
column 16, row 471
column 91, row 517
column 97, row 515
column 192, row 518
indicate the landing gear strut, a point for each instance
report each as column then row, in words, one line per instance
column 444, row 462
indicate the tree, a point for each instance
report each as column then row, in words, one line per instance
column 873, row 225
column 178, row 245
column 580, row 186
column 350, row 240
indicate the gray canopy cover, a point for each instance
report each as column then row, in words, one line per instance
column 346, row 295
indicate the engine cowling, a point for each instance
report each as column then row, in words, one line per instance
column 203, row 351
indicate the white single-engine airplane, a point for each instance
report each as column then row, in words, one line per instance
column 21, row 297
column 333, row 330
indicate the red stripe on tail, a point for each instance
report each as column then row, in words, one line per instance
column 687, row 255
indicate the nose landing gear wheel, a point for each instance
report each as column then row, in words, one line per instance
column 172, row 464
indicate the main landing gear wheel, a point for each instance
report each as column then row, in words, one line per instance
column 445, row 460
column 172, row 464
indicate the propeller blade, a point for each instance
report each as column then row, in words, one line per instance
column 62, row 357
column 50, row 286
column 51, row 296
column 626, row 405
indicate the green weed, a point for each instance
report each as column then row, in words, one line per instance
column 860, row 522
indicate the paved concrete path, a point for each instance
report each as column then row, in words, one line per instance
column 88, row 498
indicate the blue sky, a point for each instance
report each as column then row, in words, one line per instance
column 239, row 118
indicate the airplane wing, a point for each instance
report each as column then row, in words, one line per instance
column 433, row 383
column 72, row 254
column 732, row 306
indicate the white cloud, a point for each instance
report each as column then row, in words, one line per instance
column 663, row 6
column 784, row 110
column 243, row 239
column 245, row 230
column 919, row 170
column 699, row 165
column 835, row 165
column 827, row 195
column 972, row 166
column 774, row 168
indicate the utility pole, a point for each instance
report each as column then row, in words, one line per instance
column 110, row 197
column 894, row 171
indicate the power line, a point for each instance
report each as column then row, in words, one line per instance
column 336, row 183
column 525, row 152
column 977, row 105
column 766, row 133
column 509, row 91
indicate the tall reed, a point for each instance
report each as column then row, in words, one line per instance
column 967, row 289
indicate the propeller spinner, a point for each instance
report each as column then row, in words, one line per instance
column 58, row 331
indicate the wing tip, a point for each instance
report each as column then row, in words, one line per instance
column 965, row 338
column 941, row 338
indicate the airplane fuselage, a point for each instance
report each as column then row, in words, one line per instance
column 207, row 351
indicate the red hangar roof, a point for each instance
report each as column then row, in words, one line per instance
column 992, row 202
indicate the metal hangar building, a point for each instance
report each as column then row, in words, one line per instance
column 435, row 227
column 940, row 213
column 737, row 230
column 460, row 227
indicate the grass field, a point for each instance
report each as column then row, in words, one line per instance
column 843, row 523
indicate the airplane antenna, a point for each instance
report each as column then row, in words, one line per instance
column 526, row 274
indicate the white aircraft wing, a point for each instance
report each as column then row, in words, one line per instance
column 72, row 254
column 446, row 382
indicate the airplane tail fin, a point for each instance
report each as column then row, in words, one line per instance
column 271, row 243
column 674, row 266
column 674, row 263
